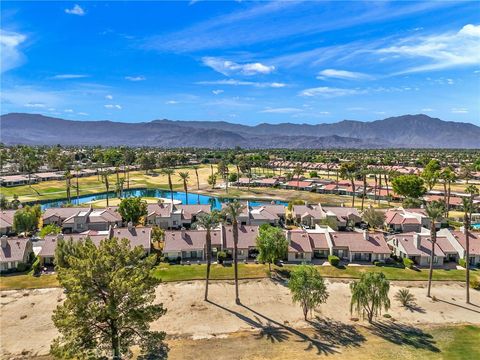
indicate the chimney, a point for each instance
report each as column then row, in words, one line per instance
column 130, row 226
column 110, row 231
column 365, row 235
column 182, row 232
column 289, row 235
column 3, row 240
column 416, row 240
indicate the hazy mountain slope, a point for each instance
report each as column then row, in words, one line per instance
column 402, row 131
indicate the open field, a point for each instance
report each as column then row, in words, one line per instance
column 169, row 273
column 268, row 325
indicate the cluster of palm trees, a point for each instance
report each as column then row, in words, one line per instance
column 209, row 222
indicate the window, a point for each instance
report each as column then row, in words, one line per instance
column 299, row 256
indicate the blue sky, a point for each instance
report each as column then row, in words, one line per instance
column 243, row 62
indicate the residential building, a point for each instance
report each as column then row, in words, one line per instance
column 299, row 246
column 16, row 180
column 92, row 219
column 6, row 222
column 337, row 217
column 359, row 246
column 407, row 220
column 247, row 241
column 13, row 251
column 167, row 216
column 457, row 239
column 191, row 244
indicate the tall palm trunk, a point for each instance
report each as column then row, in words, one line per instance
column 466, row 226
column 186, row 190
column 388, row 190
column 433, row 235
column 375, row 190
column 448, row 198
column 353, row 192
column 198, row 181
column 171, row 187
column 338, row 190
column 238, row 177
column 364, row 189
column 78, row 191
column 209, row 261
column 235, row 258
column 379, row 187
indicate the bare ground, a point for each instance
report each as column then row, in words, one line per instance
column 26, row 325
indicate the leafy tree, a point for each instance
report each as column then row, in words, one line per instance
column 271, row 244
column 435, row 209
column 212, row 181
column 409, row 186
column 208, row 222
column 132, row 209
column 158, row 236
column 431, row 173
column 313, row 174
column 307, row 288
column 50, row 229
column 373, row 217
column 233, row 210
column 4, row 204
column 26, row 219
column 108, row 307
column 370, row 295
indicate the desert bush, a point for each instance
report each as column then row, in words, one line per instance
column 405, row 297
column 408, row 263
column 333, row 260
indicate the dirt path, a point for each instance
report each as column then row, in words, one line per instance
column 27, row 327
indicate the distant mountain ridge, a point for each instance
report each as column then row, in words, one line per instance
column 416, row 131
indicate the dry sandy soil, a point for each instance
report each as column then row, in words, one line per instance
column 26, row 325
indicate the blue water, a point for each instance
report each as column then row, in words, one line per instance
column 214, row 202
column 476, row 226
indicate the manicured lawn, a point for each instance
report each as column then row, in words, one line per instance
column 25, row 281
column 168, row 272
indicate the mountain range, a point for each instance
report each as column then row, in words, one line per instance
column 412, row 131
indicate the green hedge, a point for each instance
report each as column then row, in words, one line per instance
column 333, row 260
column 462, row 263
column 408, row 263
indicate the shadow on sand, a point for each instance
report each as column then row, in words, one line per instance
column 328, row 335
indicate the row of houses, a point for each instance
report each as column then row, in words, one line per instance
column 303, row 244
column 450, row 247
column 25, row 179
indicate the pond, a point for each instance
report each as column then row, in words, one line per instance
column 213, row 201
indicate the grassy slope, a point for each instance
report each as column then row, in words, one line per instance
column 197, row 272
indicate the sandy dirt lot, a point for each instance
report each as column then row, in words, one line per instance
column 26, row 325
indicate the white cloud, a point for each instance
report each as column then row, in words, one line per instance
column 427, row 110
column 35, row 105
column 76, row 10
column 69, row 76
column 227, row 67
column 109, row 97
column 243, row 83
column 113, row 106
column 285, row 110
column 342, row 74
column 11, row 56
column 68, row 111
column 329, row 92
column 217, row 92
column 171, row 102
column 459, row 110
column 441, row 51
column 82, row 113
column 135, row 78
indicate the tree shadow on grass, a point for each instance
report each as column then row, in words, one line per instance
column 415, row 308
column 336, row 333
column 404, row 335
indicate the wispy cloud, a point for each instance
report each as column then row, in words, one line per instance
column 75, row 10
column 135, row 78
column 109, row 97
column 285, row 110
column 113, row 106
column 460, row 110
column 454, row 49
column 35, row 105
column 69, row 76
column 330, row 92
column 342, row 74
column 227, row 67
column 217, row 92
column 234, row 82
column 9, row 44
column 425, row 110
column 171, row 102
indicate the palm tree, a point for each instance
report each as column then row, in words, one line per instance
column 169, row 172
column 77, row 170
column 350, row 171
column 299, row 172
column 448, row 176
column 208, row 222
column 233, row 211
column 196, row 167
column 467, row 219
column 435, row 209
column 184, row 176
column 104, row 176
column 68, row 180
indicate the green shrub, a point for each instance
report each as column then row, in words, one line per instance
column 408, row 263
column 475, row 284
column 462, row 263
column 333, row 260
column 221, row 256
column 377, row 263
column 405, row 297
column 21, row 267
column 36, row 266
